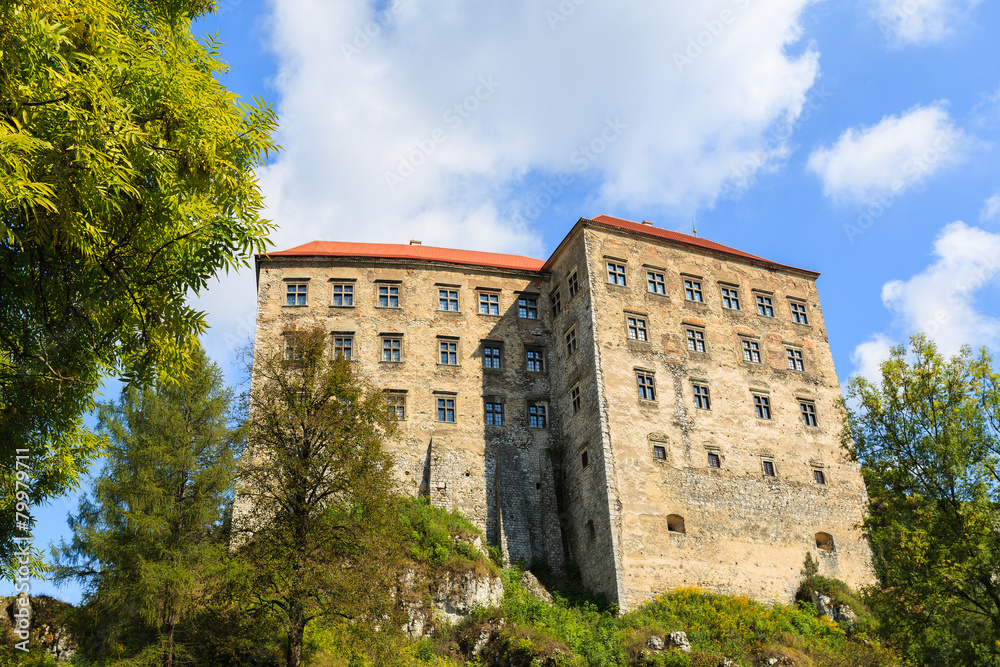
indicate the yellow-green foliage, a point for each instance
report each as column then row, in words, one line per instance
column 432, row 535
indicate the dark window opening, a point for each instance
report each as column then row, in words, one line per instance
column 714, row 460
column 824, row 541
column 675, row 524
column 659, row 453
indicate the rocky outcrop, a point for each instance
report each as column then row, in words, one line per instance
column 532, row 585
column 47, row 630
column 835, row 612
column 453, row 597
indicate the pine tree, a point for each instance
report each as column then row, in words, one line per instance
column 146, row 542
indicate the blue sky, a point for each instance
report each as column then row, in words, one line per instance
column 857, row 138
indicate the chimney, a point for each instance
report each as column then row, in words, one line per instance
column 415, row 242
column 647, row 223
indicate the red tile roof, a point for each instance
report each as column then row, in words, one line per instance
column 417, row 252
column 686, row 239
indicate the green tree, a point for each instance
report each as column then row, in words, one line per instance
column 928, row 439
column 150, row 540
column 126, row 182
column 314, row 510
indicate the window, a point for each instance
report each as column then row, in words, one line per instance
column 808, row 409
column 675, row 524
column 573, row 283
column 696, row 340
column 492, row 355
column 616, row 274
column 494, row 413
column 343, row 346
column 692, row 290
column 762, row 405
column 591, row 534
column 655, row 282
column 795, row 359
column 448, row 300
column 751, row 351
column 537, row 415
column 449, row 352
column 764, row 306
column 571, row 342
column 824, row 541
column 647, row 388
column 730, row 298
column 343, row 294
column 489, row 303
column 584, row 460
column 295, row 294
column 397, row 403
column 388, row 296
column 768, row 466
column 291, row 353
column 527, row 307
column 819, row 476
column 392, row 348
column 446, row 409
column 534, row 360
column 574, row 395
column 556, row 303
column 799, row 313
column 636, row 328
column 659, row 452
column 701, row 400
column 714, row 460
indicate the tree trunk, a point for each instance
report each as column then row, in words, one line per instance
column 170, row 625
column 296, row 632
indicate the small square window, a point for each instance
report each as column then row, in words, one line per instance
column 655, row 282
column 762, row 406
column 489, row 303
column 492, row 356
column 659, row 452
column 343, row 294
column 751, row 351
column 388, row 296
column 819, row 476
column 573, row 283
column 764, row 306
column 696, row 340
column 295, row 294
column 527, row 307
column 692, row 290
column 795, row 359
column 392, row 348
column 291, row 353
column 574, row 395
column 343, row 346
column 494, row 413
column 647, row 386
column 448, row 300
column 714, row 460
column 448, row 353
column 799, row 313
column 556, row 303
column 584, row 461
column 570, row 342
column 730, row 298
column 808, row 409
column 397, row 403
column 537, row 415
column 637, row 328
column 446, row 409
column 534, row 360
column 701, row 399
column 616, row 274
column 768, row 467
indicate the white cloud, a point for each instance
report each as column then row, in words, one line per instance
column 890, row 157
column 940, row 300
column 991, row 209
column 653, row 106
column 868, row 355
column 905, row 22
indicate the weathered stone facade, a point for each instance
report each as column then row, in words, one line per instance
column 646, row 494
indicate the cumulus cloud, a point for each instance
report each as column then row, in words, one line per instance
column 905, row 22
column 868, row 355
column 893, row 156
column 991, row 209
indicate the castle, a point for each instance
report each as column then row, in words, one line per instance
column 659, row 408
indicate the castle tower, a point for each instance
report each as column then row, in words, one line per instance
column 657, row 407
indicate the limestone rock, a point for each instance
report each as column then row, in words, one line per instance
column 655, row 643
column 453, row 599
column 533, row 586
column 825, row 607
column 679, row 640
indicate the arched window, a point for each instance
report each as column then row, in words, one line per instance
column 675, row 523
column 824, row 541
column 590, row 531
